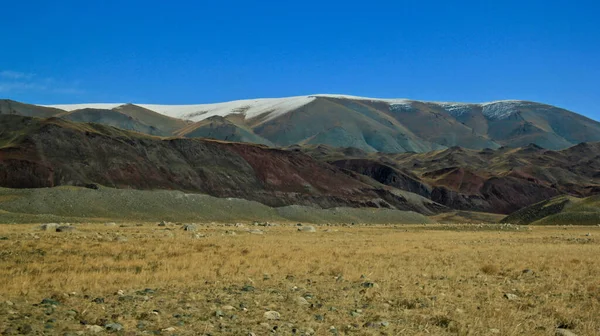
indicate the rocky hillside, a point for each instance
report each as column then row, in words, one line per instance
column 37, row 153
column 499, row 181
column 562, row 210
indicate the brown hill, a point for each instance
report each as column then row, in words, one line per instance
column 38, row 153
column 499, row 181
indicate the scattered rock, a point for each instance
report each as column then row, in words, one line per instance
column 65, row 228
column 49, row 226
column 379, row 324
column 307, row 229
column 564, row 332
column 25, row 329
column 248, row 288
column 259, row 232
column 190, row 227
column 50, row 302
column 272, row 315
column 511, row 297
column 169, row 329
column 368, row 284
column 494, row 331
column 98, row 300
column 162, row 223
column 94, row 328
column 113, row 327
column 110, row 224
column 301, row 301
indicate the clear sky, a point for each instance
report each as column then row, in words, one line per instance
column 176, row 52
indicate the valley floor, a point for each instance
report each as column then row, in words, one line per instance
column 363, row 280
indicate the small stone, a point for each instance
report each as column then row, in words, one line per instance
column 511, row 297
column 272, row 315
column 368, row 284
column 494, row 331
column 219, row 313
column 113, row 327
column 319, row 318
column 248, row 288
column 257, row 232
column 307, row 229
column 162, row 223
column 190, row 227
column 564, row 332
column 228, row 308
column 110, row 224
column 25, row 329
column 169, row 329
column 49, row 226
column 50, row 302
column 301, row 301
column 94, row 329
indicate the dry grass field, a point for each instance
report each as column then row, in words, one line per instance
column 362, row 280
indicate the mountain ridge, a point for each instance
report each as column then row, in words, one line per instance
column 369, row 124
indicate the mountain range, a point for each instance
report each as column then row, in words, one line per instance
column 369, row 124
column 323, row 150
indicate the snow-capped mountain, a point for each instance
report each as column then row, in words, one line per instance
column 369, row 124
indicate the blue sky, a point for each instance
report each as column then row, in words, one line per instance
column 176, row 52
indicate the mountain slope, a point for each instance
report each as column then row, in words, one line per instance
column 164, row 124
column 55, row 152
column 384, row 125
column 220, row 128
column 111, row 118
column 498, row 181
column 27, row 110
column 562, row 210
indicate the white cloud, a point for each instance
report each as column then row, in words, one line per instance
column 9, row 74
column 15, row 81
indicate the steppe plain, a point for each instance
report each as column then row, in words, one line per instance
column 276, row 279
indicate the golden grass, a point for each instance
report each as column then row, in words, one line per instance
column 420, row 281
